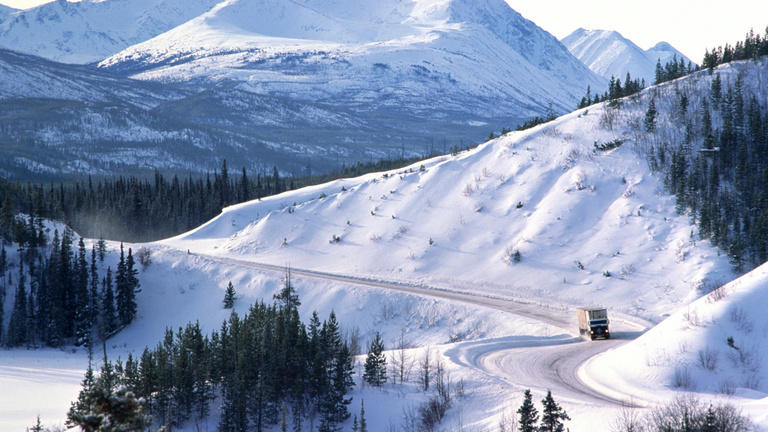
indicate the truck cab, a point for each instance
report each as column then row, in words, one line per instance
column 593, row 322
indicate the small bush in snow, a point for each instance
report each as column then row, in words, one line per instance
column 682, row 378
column 708, row 359
column 374, row 237
column 431, row 242
column 606, row 273
column 145, row 257
column 468, row 190
column 742, row 321
column 516, row 257
column 334, row 239
column 627, row 269
column 519, row 204
column 579, row 265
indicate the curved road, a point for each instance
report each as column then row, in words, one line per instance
column 539, row 363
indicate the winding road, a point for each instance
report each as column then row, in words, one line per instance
column 532, row 362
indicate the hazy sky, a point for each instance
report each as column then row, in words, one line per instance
column 691, row 26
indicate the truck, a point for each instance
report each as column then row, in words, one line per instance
column 593, row 322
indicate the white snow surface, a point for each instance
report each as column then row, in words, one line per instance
column 608, row 53
column 383, row 49
column 543, row 192
column 90, row 30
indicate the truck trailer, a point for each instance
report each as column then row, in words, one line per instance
column 593, row 322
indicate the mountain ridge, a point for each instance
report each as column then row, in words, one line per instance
column 608, row 53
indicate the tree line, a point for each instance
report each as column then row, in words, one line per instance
column 753, row 46
column 259, row 367
column 723, row 183
column 59, row 295
column 138, row 209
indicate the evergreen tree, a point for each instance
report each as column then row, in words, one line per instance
column 287, row 296
column 376, row 363
column 529, row 415
column 17, row 327
column 82, row 301
column 650, row 116
column 552, row 415
column 93, row 293
column 108, row 317
column 363, row 423
column 229, row 296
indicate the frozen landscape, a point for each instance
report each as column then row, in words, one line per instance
column 476, row 260
column 427, row 252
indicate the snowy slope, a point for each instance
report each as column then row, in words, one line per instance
column 476, row 58
column 90, row 30
column 608, row 53
column 455, row 223
column 25, row 76
column 544, row 192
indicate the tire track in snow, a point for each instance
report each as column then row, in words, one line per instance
column 549, row 363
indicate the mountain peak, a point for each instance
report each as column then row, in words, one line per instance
column 608, row 53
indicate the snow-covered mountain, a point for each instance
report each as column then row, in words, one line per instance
column 474, row 58
column 591, row 223
column 608, row 53
column 286, row 84
column 90, row 30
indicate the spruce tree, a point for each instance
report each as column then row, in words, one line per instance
column 108, row 318
column 363, row 423
column 17, row 327
column 229, row 296
column 82, row 301
column 376, row 363
column 529, row 415
column 650, row 116
column 552, row 415
column 287, row 296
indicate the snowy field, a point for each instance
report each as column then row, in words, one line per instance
column 590, row 227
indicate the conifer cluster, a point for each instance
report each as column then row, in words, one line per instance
column 59, row 296
column 259, row 367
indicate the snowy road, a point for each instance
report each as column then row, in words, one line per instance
column 539, row 363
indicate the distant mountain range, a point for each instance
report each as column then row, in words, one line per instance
column 608, row 53
column 303, row 85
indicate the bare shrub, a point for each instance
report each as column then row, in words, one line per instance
column 682, row 378
column 374, row 237
column 468, row 190
column 629, row 420
column 727, row 388
column 708, row 358
column 717, row 294
column 145, row 257
column 741, row 319
column 627, row 269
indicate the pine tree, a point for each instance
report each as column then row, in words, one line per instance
column 93, row 293
column 108, row 317
column 376, row 363
column 82, row 301
column 552, row 416
column 710, row 421
column 529, row 415
column 650, row 116
column 229, row 296
column 17, row 327
column 363, row 423
column 287, row 295
column 101, row 248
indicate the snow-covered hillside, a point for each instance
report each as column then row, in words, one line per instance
column 574, row 197
column 590, row 226
column 90, row 30
column 462, row 56
column 608, row 53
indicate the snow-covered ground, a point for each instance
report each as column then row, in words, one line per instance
column 591, row 227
